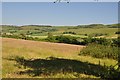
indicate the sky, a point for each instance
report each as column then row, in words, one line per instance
column 61, row 0
column 45, row 13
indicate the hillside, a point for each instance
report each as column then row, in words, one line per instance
column 24, row 58
column 78, row 31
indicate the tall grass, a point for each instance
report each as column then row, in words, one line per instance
column 34, row 50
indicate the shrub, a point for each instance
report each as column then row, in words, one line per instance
column 97, row 34
column 67, row 39
column 69, row 32
column 118, row 32
column 102, row 41
column 100, row 51
column 29, row 33
column 50, row 37
column 116, row 42
column 62, row 39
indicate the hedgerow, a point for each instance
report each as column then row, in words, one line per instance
column 100, row 51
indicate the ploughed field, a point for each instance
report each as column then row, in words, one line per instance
column 26, row 59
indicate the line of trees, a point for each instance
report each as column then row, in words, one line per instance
column 68, row 39
column 70, row 32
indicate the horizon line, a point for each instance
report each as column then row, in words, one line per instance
column 55, row 25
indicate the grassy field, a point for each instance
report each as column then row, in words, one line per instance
column 58, row 30
column 29, row 59
column 25, row 59
column 109, row 31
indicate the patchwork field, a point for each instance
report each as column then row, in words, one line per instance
column 107, row 31
column 24, row 58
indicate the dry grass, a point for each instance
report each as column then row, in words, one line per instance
column 35, row 49
column 31, row 48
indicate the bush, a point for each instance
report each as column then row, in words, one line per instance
column 69, row 32
column 21, row 36
column 29, row 33
column 100, row 51
column 118, row 32
column 62, row 39
column 116, row 42
column 97, row 34
column 50, row 39
column 102, row 41
column 67, row 39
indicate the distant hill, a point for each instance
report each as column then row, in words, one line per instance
column 99, row 26
column 83, row 26
column 36, row 25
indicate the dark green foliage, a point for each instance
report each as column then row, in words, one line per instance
column 63, row 39
column 38, row 25
column 67, row 39
column 96, row 25
column 13, row 31
column 36, row 29
column 21, row 36
column 100, row 51
column 29, row 33
column 50, row 37
column 69, row 32
column 36, row 32
column 102, row 41
column 118, row 32
column 73, row 27
column 116, row 42
column 113, row 26
column 97, row 34
column 112, row 73
column 91, row 26
column 48, row 29
column 85, row 34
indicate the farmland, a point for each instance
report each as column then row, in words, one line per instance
column 35, row 51
column 42, row 31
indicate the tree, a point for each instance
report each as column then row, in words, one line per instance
column 22, row 36
column 50, row 35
